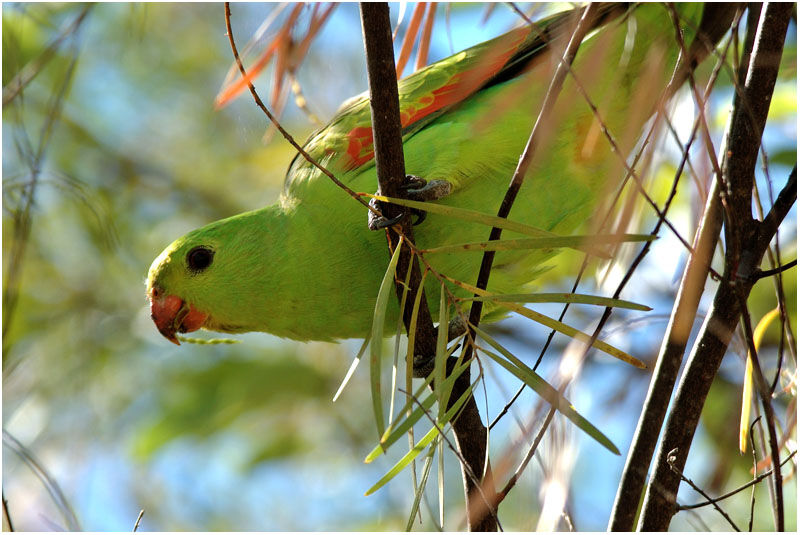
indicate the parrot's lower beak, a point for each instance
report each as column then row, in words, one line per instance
column 173, row 315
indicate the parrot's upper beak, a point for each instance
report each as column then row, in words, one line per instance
column 173, row 315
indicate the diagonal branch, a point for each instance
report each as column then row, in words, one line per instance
column 786, row 199
column 669, row 358
column 745, row 246
column 517, row 179
column 26, row 75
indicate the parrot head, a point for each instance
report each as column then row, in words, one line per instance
column 167, row 281
column 202, row 278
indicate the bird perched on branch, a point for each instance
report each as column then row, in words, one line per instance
column 308, row 268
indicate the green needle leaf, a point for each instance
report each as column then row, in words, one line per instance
column 545, row 390
column 378, row 321
column 485, row 219
column 426, row 470
column 556, row 325
column 582, row 299
column 442, row 392
column 395, row 431
column 423, row 442
column 572, row 332
column 555, row 242
column 407, row 458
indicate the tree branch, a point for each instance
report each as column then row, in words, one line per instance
column 700, row 491
column 471, row 434
column 786, row 199
column 687, row 300
column 745, row 248
column 738, row 489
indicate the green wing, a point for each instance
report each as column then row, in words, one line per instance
column 345, row 145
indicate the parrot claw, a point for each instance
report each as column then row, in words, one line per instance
column 456, row 328
column 423, row 365
column 416, row 189
column 378, row 222
column 419, row 189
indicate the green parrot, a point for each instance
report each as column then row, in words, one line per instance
column 308, row 268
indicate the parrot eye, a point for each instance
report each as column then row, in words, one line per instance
column 199, row 258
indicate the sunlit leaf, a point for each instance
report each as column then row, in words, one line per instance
column 426, row 470
column 404, row 461
column 396, row 430
column 545, row 297
column 424, row 441
column 747, row 382
column 573, row 242
column 398, row 332
column 439, row 368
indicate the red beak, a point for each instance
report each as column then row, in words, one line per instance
column 173, row 315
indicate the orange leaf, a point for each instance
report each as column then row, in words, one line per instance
column 228, row 94
column 409, row 38
column 425, row 40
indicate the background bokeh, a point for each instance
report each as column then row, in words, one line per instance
column 114, row 148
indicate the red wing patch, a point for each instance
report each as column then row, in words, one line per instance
column 359, row 147
column 458, row 87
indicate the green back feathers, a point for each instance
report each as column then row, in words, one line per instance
column 345, row 144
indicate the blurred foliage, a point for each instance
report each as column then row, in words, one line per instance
column 110, row 150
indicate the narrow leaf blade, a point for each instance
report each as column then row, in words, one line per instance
column 352, row 369
column 375, row 347
column 404, row 461
column 555, row 242
column 556, row 325
column 557, row 297
column 545, row 390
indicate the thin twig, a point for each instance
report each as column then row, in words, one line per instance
column 471, row 434
column 786, row 199
column 35, row 66
column 522, row 465
column 277, row 124
column 671, row 462
column 630, row 172
column 766, row 402
column 6, row 514
column 672, row 349
column 138, row 520
column 739, row 489
column 23, row 220
column 745, row 246
column 454, row 449
column 770, row 272
column 700, row 102
column 49, row 483
column 755, row 471
column 517, row 179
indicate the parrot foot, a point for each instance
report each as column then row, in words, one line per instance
column 419, row 189
column 416, row 189
column 423, row 365
column 456, row 328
